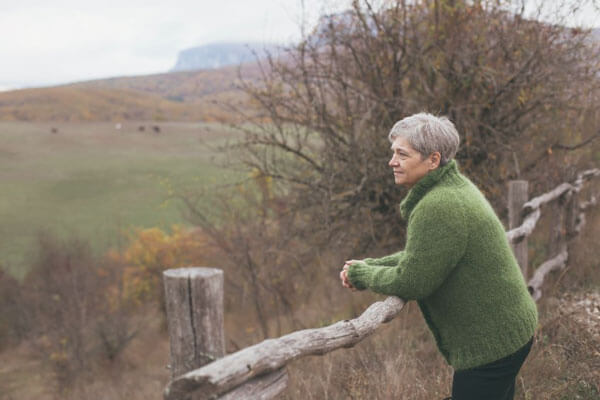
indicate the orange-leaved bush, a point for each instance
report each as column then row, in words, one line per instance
column 150, row 252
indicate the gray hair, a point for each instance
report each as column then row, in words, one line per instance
column 427, row 133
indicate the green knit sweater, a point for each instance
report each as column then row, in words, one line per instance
column 458, row 265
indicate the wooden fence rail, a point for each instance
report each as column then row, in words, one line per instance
column 258, row 372
column 574, row 223
column 270, row 355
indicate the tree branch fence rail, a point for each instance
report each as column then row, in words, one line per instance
column 194, row 299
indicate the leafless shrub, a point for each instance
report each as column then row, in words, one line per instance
column 72, row 321
column 265, row 263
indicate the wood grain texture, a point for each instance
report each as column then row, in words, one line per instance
column 194, row 302
column 518, row 194
column 526, row 227
column 263, row 387
column 557, row 263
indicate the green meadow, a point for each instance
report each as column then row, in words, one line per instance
column 94, row 181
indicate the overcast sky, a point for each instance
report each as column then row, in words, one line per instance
column 50, row 42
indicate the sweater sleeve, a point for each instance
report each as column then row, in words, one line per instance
column 386, row 261
column 436, row 240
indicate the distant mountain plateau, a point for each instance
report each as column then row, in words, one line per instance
column 217, row 55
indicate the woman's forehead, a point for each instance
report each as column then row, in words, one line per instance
column 401, row 143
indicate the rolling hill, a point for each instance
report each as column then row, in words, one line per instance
column 176, row 96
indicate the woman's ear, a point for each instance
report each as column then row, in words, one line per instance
column 435, row 158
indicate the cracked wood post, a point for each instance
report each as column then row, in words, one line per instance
column 517, row 196
column 194, row 302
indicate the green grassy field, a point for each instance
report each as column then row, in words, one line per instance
column 91, row 180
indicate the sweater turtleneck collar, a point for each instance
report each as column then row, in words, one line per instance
column 423, row 185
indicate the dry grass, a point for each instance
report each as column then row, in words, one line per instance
column 565, row 362
column 400, row 361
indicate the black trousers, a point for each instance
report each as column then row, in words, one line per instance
column 493, row 381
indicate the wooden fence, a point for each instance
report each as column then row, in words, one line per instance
column 194, row 300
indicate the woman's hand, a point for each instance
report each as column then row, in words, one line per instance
column 344, row 276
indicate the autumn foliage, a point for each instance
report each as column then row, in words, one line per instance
column 151, row 251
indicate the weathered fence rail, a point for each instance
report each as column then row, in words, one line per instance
column 270, row 355
column 574, row 223
column 194, row 298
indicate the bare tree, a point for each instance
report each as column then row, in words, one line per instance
column 516, row 88
column 263, row 259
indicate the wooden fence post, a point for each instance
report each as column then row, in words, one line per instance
column 194, row 301
column 517, row 196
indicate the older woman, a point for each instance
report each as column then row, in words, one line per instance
column 457, row 264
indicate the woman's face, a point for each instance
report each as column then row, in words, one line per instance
column 408, row 165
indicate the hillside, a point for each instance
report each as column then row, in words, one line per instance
column 180, row 86
column 178, row 96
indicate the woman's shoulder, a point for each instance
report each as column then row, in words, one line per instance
column 457, row 200
column 459, row 189
column 443, row 202
column 447, row 194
